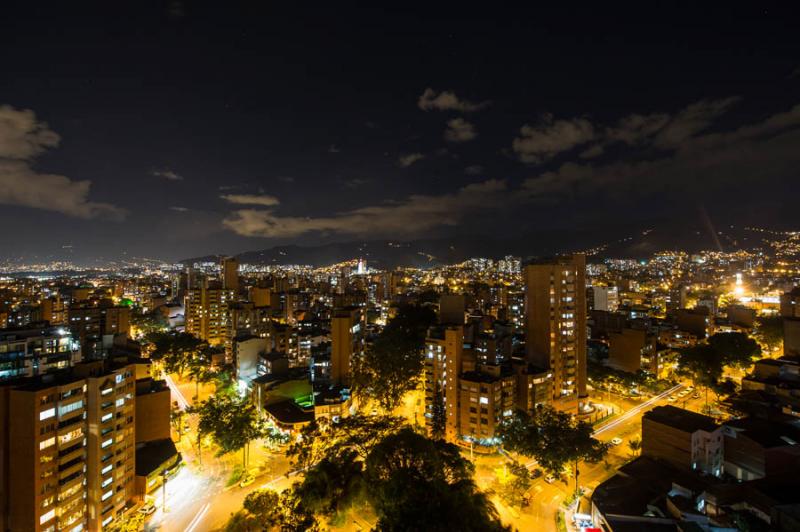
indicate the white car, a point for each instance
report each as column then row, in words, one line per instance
column 672, row 399
column 616, row 441
column 549, row 479
column 147, row 509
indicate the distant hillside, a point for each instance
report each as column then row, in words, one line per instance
column 623, row 243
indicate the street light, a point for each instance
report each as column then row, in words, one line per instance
column 164, row 490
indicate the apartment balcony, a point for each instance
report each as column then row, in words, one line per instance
column 71, row 453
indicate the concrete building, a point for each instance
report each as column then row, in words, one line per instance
column 741, row 316
column 486, row 397
column 95, row 322
column 110, row 442
column 534, row 385
column 153, row 407
column 208, row 313
column 684, row 439
column 604, row 298
column 632, row 350
column 36, row 350
column 696, row 321
column 230, row 274
column 347, row 341
column 42, row 427
column 452, row 308
column 778, row 380
column 555, row 327
column 67, row 442
column 53, row 310
column 444, row 352
column 791, row 337
column 247, row 351
column 790, row 303
column 260, row 296
column 757, row 448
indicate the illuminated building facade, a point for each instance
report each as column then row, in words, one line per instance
column 347, row 341
column 555, row 321
column 36, row 350
column 208, row 313
column 67, row 444
column 444, row 351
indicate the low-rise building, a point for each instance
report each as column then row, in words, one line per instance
column 683, row 439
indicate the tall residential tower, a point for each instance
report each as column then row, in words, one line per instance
column 555, row 322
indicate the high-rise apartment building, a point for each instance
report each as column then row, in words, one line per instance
column 111, row 440
column 43, row 455
column 208, row 313
column 230, row 274
column 444, row 352
column 555, row 304
column 67, row 444
column 347, row 341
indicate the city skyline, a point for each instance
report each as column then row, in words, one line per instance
column 186, row 131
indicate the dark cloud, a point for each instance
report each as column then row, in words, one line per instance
column 459, row 130
column 404, row 161
column 22, row 139
column 551, row 137
column 411, row 216
column 429, row 100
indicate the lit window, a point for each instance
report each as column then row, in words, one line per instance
column 47, row 414
column 47, row 516
column 47, row 443
column 107, row 495
column 484, row 400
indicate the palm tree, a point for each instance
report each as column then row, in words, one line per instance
column 635, row 445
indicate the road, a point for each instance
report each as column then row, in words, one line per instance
column 546, row 498
column 197, row 499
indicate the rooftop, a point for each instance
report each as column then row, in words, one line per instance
column 151, row 455
column 681, row 419
column 767, row 433
column 288, row 413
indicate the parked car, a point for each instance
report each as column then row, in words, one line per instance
column 672, row 398
column 147, row 509
column 549, row 479
column 616, row 441
column 248, row 478
column 536, row 473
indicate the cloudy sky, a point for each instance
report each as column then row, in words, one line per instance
column 177, row 130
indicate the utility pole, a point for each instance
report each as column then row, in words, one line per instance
column 164, row 491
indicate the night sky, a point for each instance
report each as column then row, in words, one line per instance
column 180, row 129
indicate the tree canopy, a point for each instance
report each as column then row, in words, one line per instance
column 175, row 350
column 552, row 437
column 416, row 483
column 735, row 349
column 231, row 422
column 411, row 482
column 356, row 434
column 394, row 362
column 770, row 330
